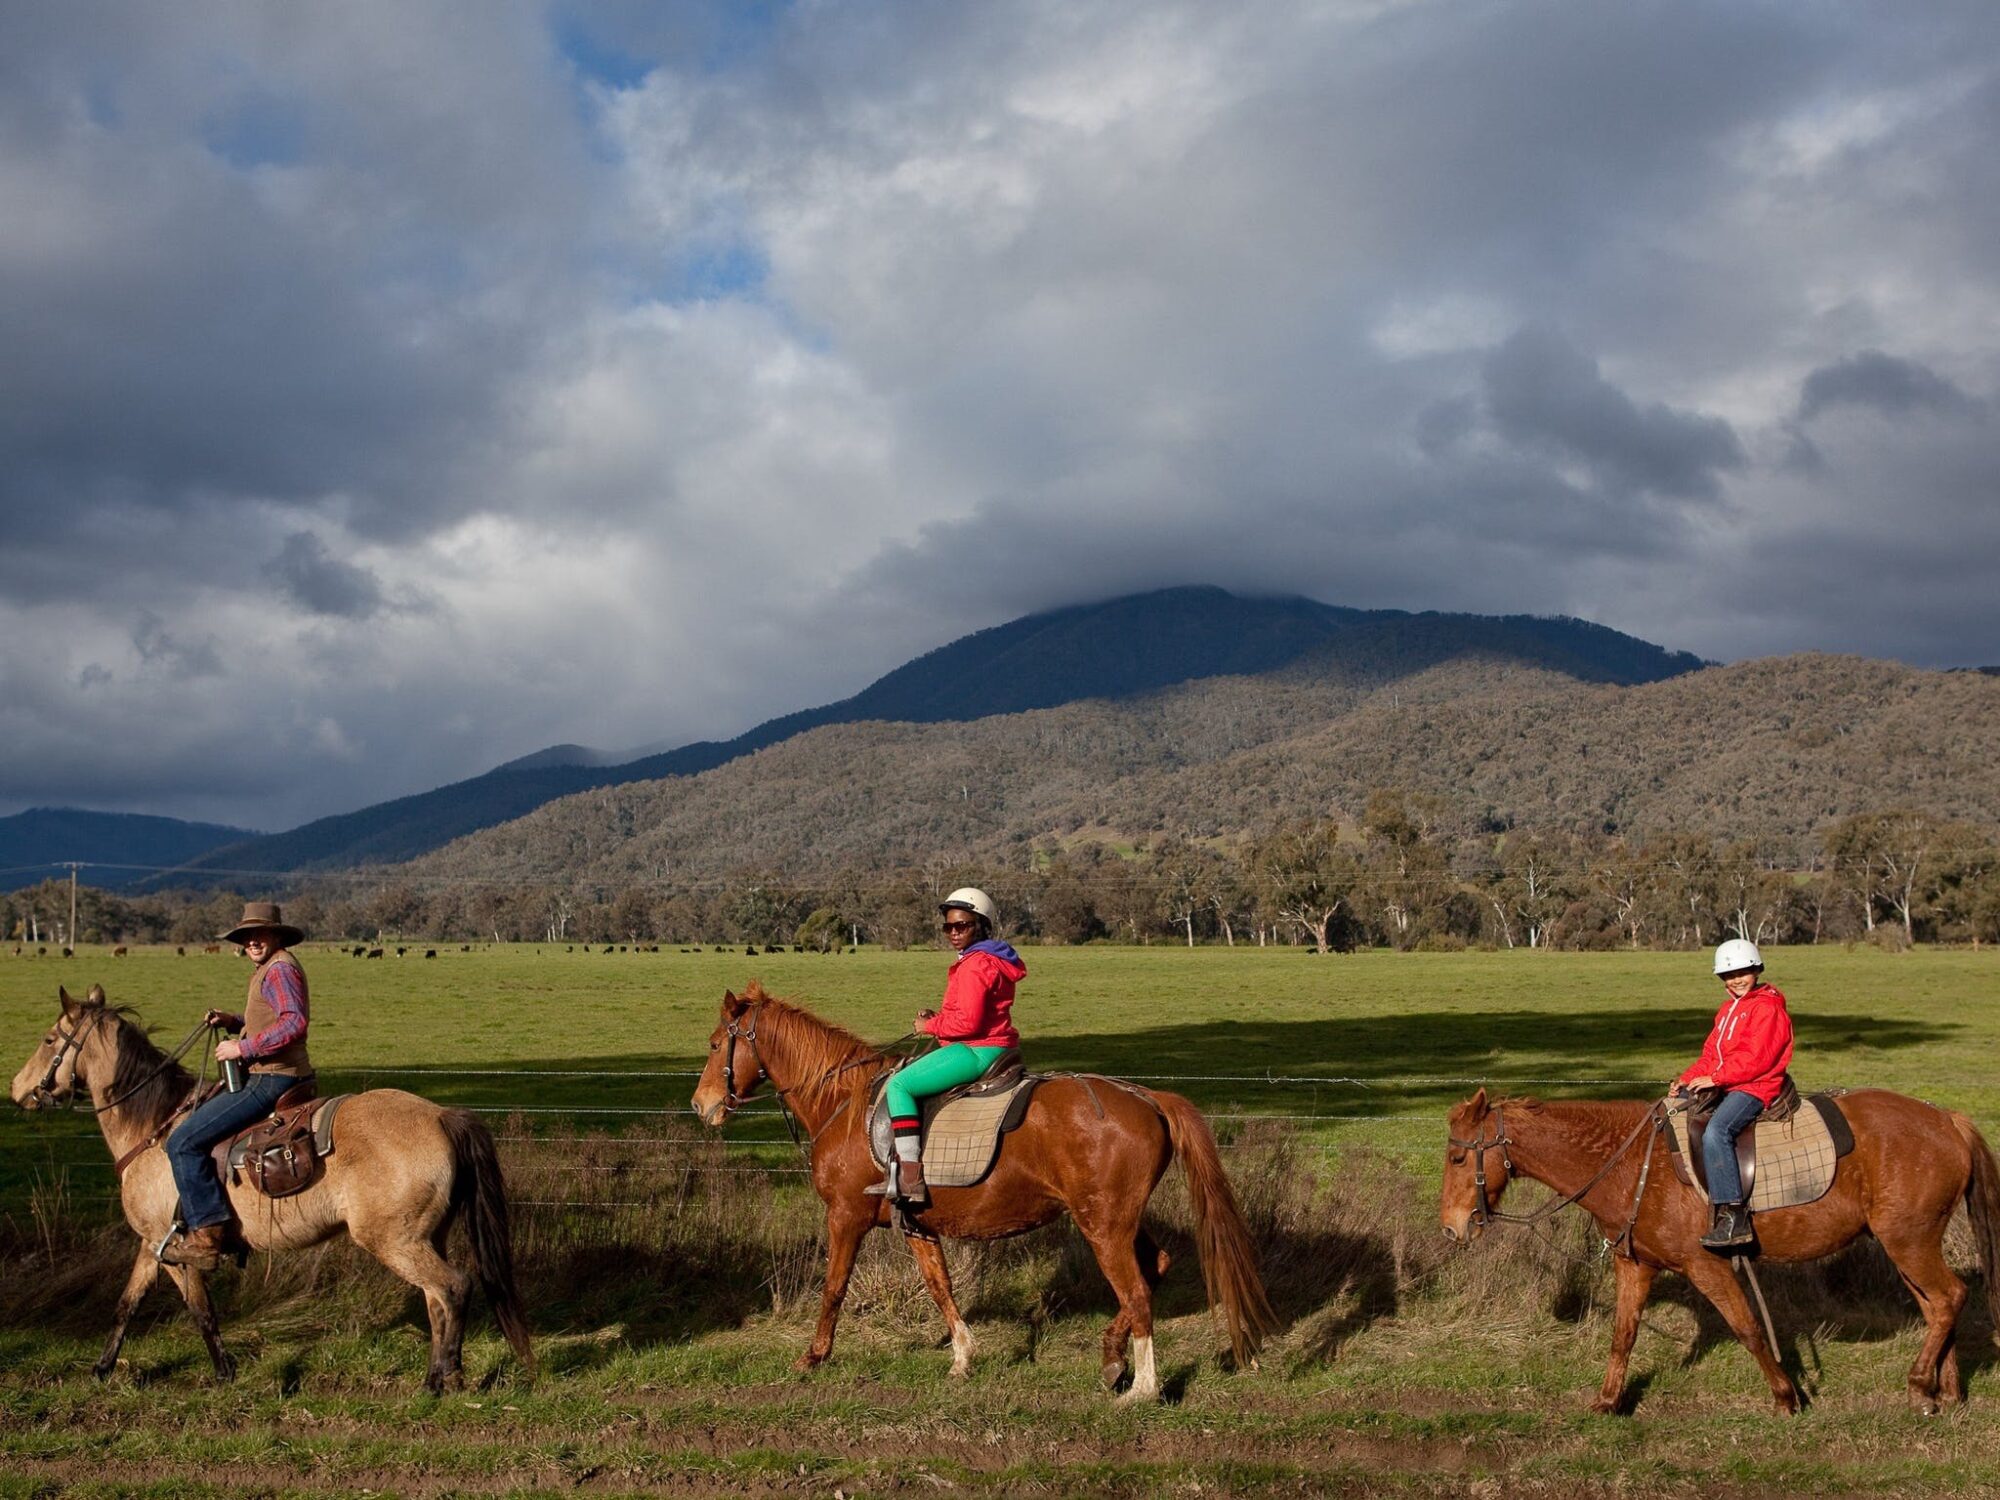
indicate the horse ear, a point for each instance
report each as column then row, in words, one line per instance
column 62, row 994
column 1478, row 1102
column 96, row 996
column 732, row 1003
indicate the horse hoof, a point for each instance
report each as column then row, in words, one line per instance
column 103, row 1371
column 1137, row 1397
column 1112, row 1373
column 1605, row 1406
column 807, row 1362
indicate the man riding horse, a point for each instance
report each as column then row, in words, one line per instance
column 274, row 1046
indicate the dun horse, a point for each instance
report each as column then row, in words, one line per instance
column 1093, row 1149
column 401, row 1172
column 1911, row 1166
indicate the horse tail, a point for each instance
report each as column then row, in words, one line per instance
column 478, row 1191
column 1982, row 1208
column 1228, row 1255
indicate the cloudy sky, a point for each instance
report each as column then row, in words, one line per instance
column 390, row 389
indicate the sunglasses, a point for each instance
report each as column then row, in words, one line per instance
column 958, row 926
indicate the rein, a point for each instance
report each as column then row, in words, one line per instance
column 731, row 1099
column 1484, row 1213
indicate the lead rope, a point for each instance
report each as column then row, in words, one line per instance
column 1748, row 1269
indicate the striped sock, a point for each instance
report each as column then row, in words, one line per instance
column 908, row 1138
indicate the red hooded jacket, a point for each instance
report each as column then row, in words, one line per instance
column 1749, row 1047
column 978, row 994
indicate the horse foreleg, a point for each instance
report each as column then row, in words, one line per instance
column 937, row 1277
column 1940, row 1297
column 844, row 1232
column 1716, row 1281
column 145, row 1271
column 1635, row 1283
column 193, row 1286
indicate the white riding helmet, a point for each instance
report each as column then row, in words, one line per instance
column 1736, row 955
column 971, row 898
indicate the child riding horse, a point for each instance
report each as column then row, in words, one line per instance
column 974, row 1028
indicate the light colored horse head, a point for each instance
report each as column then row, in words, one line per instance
column 73, row 1041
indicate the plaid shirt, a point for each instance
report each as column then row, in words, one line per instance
column 285, row 993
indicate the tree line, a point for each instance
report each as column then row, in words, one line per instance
column 1399, row 875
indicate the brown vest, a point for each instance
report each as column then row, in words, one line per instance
column 257, row 1014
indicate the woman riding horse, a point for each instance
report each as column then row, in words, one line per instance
column 274, row 1019
column 1747, row 1052
column 974, row 1028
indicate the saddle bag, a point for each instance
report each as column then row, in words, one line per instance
column 279, row 1158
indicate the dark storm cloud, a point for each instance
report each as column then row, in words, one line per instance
column 160, row 649
column 1874, row 379
column 323, row 583
column 1541, row 392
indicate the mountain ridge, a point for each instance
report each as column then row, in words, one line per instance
column 1111, row 649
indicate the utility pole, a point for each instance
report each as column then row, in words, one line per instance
column 72, row 905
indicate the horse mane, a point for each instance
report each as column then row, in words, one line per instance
column 821, row 1049
column 150, row 1098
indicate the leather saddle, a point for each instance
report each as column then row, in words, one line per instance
column 281, row 1154
column 1797, row 1144
column 963, row 1126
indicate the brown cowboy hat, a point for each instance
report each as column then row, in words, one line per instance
column 264, row 916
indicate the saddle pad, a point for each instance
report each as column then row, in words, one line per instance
column 962, row 1136
column 1795, row 1158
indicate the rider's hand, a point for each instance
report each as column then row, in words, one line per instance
column 226, row 1051
column 922, row 1017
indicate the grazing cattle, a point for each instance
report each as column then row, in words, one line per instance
column 119, row 951
column 401, row 951
column 465, row 947
column 374, row 952
column 69, row 953
column 211, row 947
column 430, row 953
column 179, row 951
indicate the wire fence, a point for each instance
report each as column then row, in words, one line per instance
column 1401, row 1139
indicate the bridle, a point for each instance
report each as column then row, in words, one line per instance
column 1484, row 1213
column 739, row 1029
column 44, row 1093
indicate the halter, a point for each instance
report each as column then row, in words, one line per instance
column 737, row 1030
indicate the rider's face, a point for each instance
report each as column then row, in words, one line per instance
column 1740, row 983
column 257, row 947
column 960, row 928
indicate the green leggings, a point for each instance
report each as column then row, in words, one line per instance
column 933, row 1073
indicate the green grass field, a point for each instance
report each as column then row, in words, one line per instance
column 671, row 1284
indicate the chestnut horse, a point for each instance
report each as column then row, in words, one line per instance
column 401, row 1172
column 1094, row 1148
column 1911, row 1166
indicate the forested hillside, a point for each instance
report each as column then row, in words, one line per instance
column 1773, row 751
column 1111, row 650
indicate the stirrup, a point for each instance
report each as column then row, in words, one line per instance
column 160, row 1250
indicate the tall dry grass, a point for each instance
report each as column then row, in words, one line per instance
column 676, row 1236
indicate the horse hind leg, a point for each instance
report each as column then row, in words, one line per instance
column 1117, row 1251
column 446, row 1288
column 145, row 1271
column 1940, row 1295
column 937, row 1277
column 1153, row 1264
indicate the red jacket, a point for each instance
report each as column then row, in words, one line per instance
column 978, row 994
column 1749, row 1047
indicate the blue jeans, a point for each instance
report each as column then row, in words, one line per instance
column 1732, row 1117
column 202, row 1199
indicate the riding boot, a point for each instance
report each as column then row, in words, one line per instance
column 199, row 1249
column 910, row 1185
column 1732, row 1228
